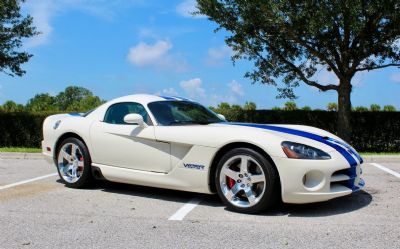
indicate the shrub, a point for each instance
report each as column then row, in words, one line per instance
column 372, row 131
column 332, row 106
column 375, row 108
column 389, row 108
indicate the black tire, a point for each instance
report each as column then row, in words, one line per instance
column 86, row 177
column 270, row 195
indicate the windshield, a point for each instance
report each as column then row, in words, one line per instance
column 181, row 113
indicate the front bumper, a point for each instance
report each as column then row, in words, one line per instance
column 306, row 181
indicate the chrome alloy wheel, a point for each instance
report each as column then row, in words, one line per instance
column 242, row 181
column 70, row 162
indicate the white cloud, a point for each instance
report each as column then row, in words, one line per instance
column 216, row 55
column 395, row 77
column 193, row 87
column 236, row 88
column 145, row 54
column 187, row 7
column 43, row 11
column 156, row 55
column 168, row 91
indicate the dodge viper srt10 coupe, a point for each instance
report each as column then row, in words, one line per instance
column 175, row 143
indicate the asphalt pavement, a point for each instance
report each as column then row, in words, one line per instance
column 37, row 211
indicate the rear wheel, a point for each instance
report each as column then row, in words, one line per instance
column 73, row 163
column 246, row 181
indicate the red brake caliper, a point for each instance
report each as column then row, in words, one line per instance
column 81, row 160
column 230, row 182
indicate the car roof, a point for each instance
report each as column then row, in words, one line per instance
column 146, row 98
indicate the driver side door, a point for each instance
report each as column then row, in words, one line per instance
column 116, row 143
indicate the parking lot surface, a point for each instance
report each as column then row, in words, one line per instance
column 42, row 213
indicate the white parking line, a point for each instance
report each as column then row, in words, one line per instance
column 183, row 211
column 27, row 181
column 386, row 169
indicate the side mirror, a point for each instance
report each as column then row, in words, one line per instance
column 134, row 118
column 221, row 116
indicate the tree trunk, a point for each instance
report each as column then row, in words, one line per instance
column 344, row 110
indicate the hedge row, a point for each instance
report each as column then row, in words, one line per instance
column 372, row 131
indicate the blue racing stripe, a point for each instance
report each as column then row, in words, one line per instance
column 345, row 153
column 166, row 97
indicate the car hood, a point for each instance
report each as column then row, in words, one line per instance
column 286, row 129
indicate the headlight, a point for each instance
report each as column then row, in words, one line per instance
column 302, row 151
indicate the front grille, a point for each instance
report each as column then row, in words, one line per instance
column 346, row 177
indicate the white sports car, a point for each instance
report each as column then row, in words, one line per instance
column 175, row 143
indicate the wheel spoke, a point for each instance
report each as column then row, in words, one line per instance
column 257, row 178
column 232, row 192
column 250, row 196
column 244, row 162
column 65, row 155
column 230, row 173
column 74, row 172
column 73, row 150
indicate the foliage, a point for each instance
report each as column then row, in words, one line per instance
column 332, row 106
column 291, row 40
column 389, row 108
column 11, row 106
column 306, row 108
column 373, row 131
column 42, row 102
column 360, row 109
column 14, row 27
column 72, row 99
column 21, row 129
column 290, row 106
column 250, row 106
column 375, row 108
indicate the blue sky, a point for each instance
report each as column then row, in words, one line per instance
column 120, row 47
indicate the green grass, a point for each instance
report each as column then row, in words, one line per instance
column 380, row 153
column 20, row 149
column 38, row 150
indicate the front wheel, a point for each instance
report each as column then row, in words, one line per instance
column 73, row 163
column 246, row 181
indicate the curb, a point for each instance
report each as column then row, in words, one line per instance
column 18, row 155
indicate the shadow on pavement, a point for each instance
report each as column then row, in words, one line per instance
column 336, row 206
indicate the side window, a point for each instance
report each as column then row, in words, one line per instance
column 116, row 113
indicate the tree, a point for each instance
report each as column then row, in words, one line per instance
column 11, row 106
column 41, row 102
column 332, row 106
column 389, row 108
column 360, row 109
column 375, row 108
column 250, row 106
column 14, row 27
column 72, row 98
column 292, row 40
column 290, row 106
column 306, row 108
